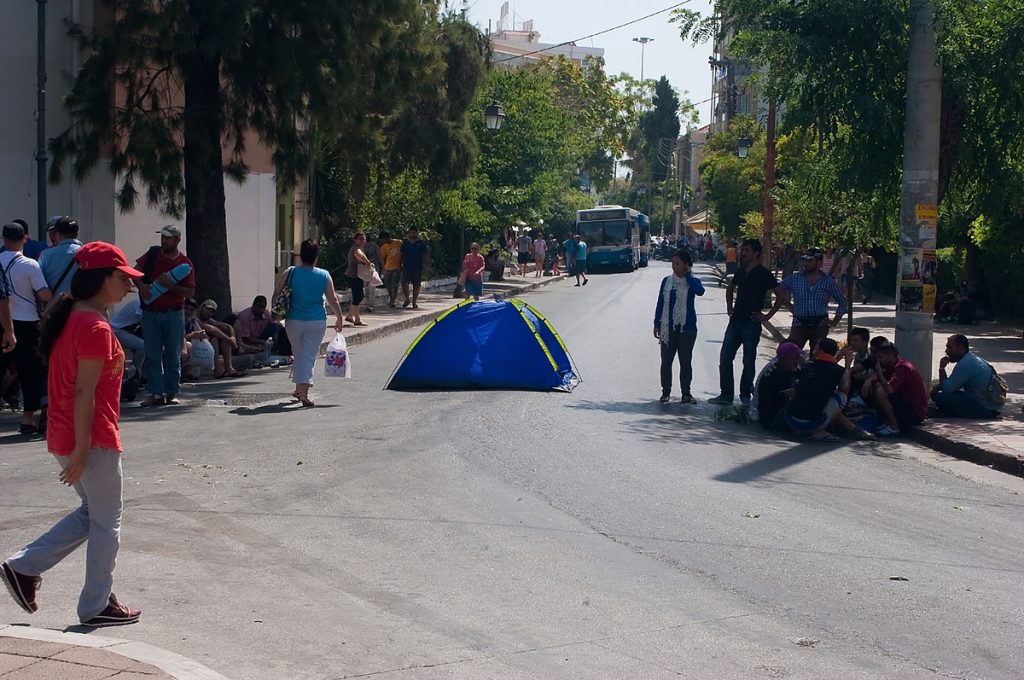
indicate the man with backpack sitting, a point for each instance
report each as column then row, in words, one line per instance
column 974, row 389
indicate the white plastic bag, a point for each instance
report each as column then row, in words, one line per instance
column 337, row 363
column 203, row 354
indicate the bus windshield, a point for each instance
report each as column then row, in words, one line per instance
column 605, row 233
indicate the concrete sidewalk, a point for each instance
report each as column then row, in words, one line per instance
column 997, row 443
column 38, row 654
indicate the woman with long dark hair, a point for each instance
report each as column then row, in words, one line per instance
column 356, row 284
column 306, row 321
column 85, row 367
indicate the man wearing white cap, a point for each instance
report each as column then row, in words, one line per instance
column 163, row 319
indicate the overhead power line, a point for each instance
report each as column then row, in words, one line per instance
column 593, row 35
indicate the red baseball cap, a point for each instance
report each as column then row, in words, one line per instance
column 100, row 255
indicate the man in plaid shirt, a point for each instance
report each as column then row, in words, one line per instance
column 5, row 316
column 811, row 290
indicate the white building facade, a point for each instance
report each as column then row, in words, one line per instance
column 264, row 224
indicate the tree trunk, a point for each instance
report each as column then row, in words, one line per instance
column 205, row 219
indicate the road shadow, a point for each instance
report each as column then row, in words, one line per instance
column 796, row 454
column 675, row 422
column 283, row 407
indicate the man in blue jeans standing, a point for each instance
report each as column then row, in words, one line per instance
column 163, row 316
column 748, row 287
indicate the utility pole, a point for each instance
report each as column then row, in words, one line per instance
column 768, row 247
column 643, row 40
column 41, row 157
column 915, row 288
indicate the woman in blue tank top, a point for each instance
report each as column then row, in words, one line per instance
column 306, row 321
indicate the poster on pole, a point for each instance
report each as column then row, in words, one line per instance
column 918, row 268
column 926, row 217
column 911, row 264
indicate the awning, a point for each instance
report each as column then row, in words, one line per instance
column 699, row 218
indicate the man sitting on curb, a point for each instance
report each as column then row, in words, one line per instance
column 974, row 390
column 774, row 385
column 897, row 391
column 222, row 336
column 256, row 329
column 817, row 401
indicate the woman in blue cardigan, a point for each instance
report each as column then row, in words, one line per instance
column 675, row 324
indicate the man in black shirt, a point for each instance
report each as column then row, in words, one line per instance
column 820, row 395
column 749, row 286
column 775, row 385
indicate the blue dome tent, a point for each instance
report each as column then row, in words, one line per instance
column 487, row 345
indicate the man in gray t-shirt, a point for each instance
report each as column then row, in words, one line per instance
column 524, row 247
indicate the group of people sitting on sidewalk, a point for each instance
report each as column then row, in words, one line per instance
column 867, row 386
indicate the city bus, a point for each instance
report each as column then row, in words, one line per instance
column 645, row 239
column 612, row 234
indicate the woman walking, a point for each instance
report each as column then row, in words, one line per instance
column 675, row 324
column 86, row 362
column 306, row 320
column 473, row 264
column 356, row 285
column 540, row 249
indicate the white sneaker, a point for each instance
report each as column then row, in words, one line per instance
column 886, row 431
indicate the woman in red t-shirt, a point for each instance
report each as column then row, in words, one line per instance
column 473, row 265
column 85, row 366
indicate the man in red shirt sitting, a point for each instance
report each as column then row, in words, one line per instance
column 897, row 391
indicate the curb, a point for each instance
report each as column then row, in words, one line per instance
column 1003, row 462
column 175, row 665
column 408, row 322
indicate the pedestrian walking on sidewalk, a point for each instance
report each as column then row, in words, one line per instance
column 748, row 286
column 415, row 260
column 86, row 365
column 569, row 251
column 811, row 290
column 579, row 268
column 866, row 281
column 473, row 265
column 540, row 250
column 356, row 284
column 675, row 324
column 306, row 321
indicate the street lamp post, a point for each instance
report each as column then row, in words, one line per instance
column 643, row 40
column 41, row 157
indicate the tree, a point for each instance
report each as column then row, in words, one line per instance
column 170, row 91
column 660, row 123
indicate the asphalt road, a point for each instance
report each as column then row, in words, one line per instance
column 596, row 534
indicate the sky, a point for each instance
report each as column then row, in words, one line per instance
column 685, row 66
